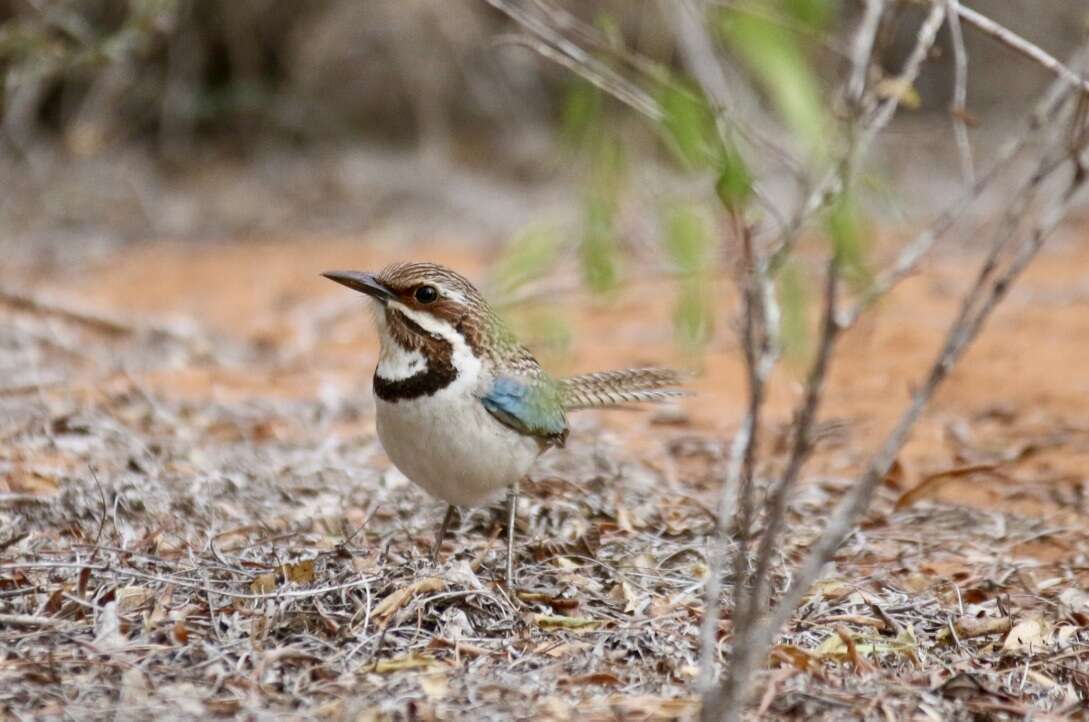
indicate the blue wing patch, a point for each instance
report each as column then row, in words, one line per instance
column 529, row 406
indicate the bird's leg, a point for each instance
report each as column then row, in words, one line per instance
column 451, row 510
column 512, row 512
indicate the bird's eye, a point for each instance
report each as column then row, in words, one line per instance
column 426, row 294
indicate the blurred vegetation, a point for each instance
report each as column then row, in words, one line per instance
column 181, row 78
column 177, row 71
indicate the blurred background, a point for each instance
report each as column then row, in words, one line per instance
column 192, row 165
column 136, row 120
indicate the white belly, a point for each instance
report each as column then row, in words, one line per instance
column 450, row 445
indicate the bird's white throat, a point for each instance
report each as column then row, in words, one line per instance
column 395, row 362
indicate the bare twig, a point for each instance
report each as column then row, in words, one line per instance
column 975, row 310
column 839, row 178
column 913, row 252
column 29, row 620
column 1018, row 43
column 802, row 445
column 38, row 304
column 750, row 601
column 960, row 92
column 185, row 583
column 553, row 45
column 862, row 50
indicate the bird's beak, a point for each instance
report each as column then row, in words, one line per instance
column 366, row 283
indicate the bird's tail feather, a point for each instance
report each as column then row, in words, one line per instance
column 616, row 388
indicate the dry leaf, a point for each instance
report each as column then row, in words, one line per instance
column 799, row 658
column 932, row 483
column 554, row 602
column 132, row 597
column 623, row 593
column 898, row 476
column 547, row 621
column 409, row 661
column 395, row 600
column 108, row 636
column 688, row 671
column 623, row 519
column 367, row 564
column 901, row 89
column 134, row 688
column 969, row 627
column 1064, row 634
column 860, row 664
column 651, row 708
column 602, row 678
column 180, row 633
column 562, row 650
column 263, row 583
column 435, row 686
column 831, row 590
column 299, row 572
column 836, row 647
column 1029, row 633
column 1076, row 599
column 1042, row 679
column 161, row 609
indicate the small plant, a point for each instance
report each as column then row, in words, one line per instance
column 749, row 99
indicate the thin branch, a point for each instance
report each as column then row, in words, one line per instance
column 976, row 308
column 802, row 445
column 552, row 45
column 839, row 178
column 760, row 355
column 29, row 620
column 909, row 257
column 862, row 50
column 960, row 92
column 187, row 584
column 735, row 511
column 1018, row 43
column 924, row 41
column 102, row 322
column 750, row 600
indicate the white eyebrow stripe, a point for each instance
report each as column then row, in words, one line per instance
column 453, row 295
column 464, row 360
column 426, row 321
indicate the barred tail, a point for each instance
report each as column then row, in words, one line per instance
column 615, row 388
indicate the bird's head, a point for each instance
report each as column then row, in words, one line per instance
column 423, row 306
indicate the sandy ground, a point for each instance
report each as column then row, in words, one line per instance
column 1022, row 378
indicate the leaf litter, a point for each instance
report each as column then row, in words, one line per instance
column 246, row 554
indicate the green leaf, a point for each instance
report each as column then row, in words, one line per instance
column 734, row 184
column 531, row 254
column 597, row 251
column 775, row 58
column 792, row 304
column 689, row 125
column 848, row 242
column 686, row 239
column 815, row 14
column 582, row 111
column 691, row 248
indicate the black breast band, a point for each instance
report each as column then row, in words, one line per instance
column 437, row 374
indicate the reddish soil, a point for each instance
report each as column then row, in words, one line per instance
column 1018, row 401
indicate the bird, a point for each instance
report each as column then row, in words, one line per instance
column 462, row 408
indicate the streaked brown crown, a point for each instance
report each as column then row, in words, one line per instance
column 462, row 305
